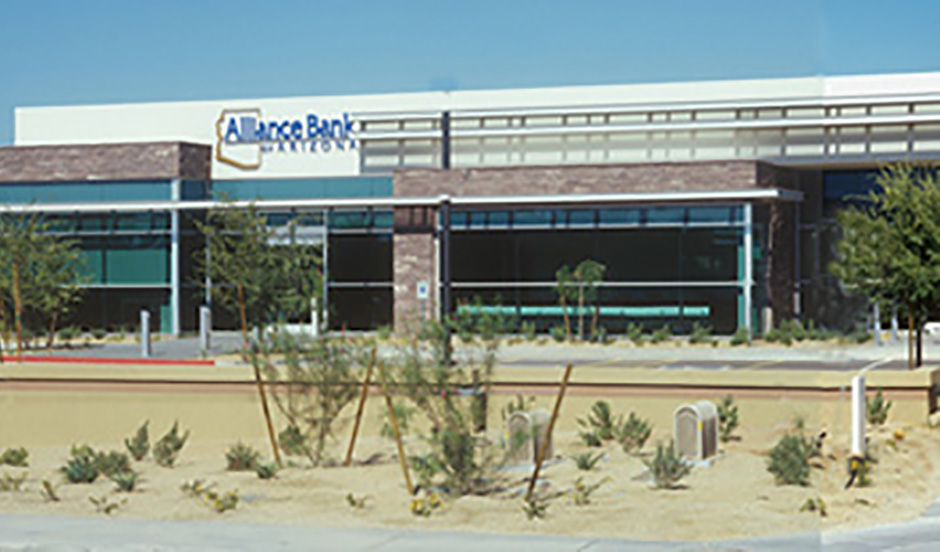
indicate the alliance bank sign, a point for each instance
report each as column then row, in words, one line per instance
column 245, row 137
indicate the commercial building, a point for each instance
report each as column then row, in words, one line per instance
column 708, row 202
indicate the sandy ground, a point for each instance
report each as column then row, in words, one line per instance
column 732, row 497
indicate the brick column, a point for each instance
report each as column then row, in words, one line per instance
column 781, row 249
column 414, row 258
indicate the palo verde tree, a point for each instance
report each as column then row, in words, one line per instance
column 890, row 246
column 40, row 275
column 258, row 273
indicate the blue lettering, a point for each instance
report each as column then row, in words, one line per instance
column 232, row 129
column 297, row 130
column 312, row 122
column 348, row 125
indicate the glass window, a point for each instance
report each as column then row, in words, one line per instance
column 619, row 216
column 84, row 192
column 716, row 214
column 540, row 217
column 309, row 188
column 665, row 215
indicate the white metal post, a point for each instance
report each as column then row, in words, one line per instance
column 858, row 416
column 144, row 334
column 748, row 283
column 175, row 195
column 205, row 329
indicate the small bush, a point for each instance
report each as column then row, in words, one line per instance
column 403, row 414
column 700, row 335
column 586, row 461
column 667, row 466
column 815, row 505
column 112, row 462
column 82, row 467
column 241, row 457
column 535, row 508
column 581, row 493
column 635, row 333
column 739, row 337
column 16, row 457
column 528, row 330
column 591, row 438
column 877, row 409
column 661, row 335
column 558, row 333
column 104, row 505
column 600, row 335
column 49, row 491
column 789, row 460
column 384, row 333
column 127, row 481
column 727, row 418
column 12, row 482
column 633, row 433
column 266, row 470
column 356, row 502
column 778, row 335
column 425, row 506
column 167, row 449
column 601, row 420
column 68, row 333
column 99, row 334
column 293, row 441
column 139, row 444
column 861, row 468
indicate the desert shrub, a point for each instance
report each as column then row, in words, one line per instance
column 700, row 334
column 139, row 444
column 789, row 460
column 536, row 507
column 586, row 461
column 266, row 470
column 82, row 466
column 112, row 462
column 739, row 337
column 528, row 330
column 519, row 404
column 49, row 491
column 126, row 481
column 861, row 467
column 105, row 505
column 438, row 388
column 12, row 482
column 581, row 492
column 601, row 419
column 633, row 433
column 241, row 457
column 356, row 502
column 778, row 335
column 16, row 457
column 217, row 500
column 661, row 334
column 858, row 336
column 98, row 333
column 728, row 419
column 318, row 378
column 293, row 442
column 591, row 438
column 426, row 505
column 403, row 414
column 384, row 333
column 667, row 467
column 167, row 449
column 877, row 409
column 635, row 333
column 817, row 505
column 558, row 333
column 600, row 335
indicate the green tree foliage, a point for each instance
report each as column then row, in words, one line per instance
column 257, row 272
column 580, row 286
column 890, row 246
column 40, row 276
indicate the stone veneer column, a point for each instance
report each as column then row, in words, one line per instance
column 782, row 249
column 415, row 259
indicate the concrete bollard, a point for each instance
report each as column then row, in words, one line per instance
column 144, row 334
column 858, row 416
column 205, row 329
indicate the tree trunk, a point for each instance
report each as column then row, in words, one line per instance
column 50, row 340
column 597, row 313
column 18, row 310
column 258, row 380
column 919, row 361
column 564, row 313
column 910, row 336
column 580, row 312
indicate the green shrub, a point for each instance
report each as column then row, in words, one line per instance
column 167, row 449
column 661, row 334
column 599, row 335
column 558, row 333
column 536, row 507
column 581, row 493
column 700, row 334
column 99, row 334
column 528, row 330
column 266, row 470
column 586, row 461
column 727, row 418
column 877, row 409
column 633, row 433
column 635, row 333
column 12, row 482
column 68, row 333
column 82, row 467
column 384, row 333
column 139, row 444
column 293, row 441
column 112, row 462
column 789, row 460
column 126, row 481
column 403, row 414
column 739, row 337
column 601, row 420
column 241, row 457
column 591, row 438
column 778, row 335
column 667, row 466
column 16, row 457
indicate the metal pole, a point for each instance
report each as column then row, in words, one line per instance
column 326, row 271
column 175, row 300
column 205, row 329
column 748, row 269
column 144, row 334
column 876, row 323
column 858, row 416
column 446, row 299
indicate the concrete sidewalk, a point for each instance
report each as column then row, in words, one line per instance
column 64, row 534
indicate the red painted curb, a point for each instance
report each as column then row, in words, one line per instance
column 117, row 361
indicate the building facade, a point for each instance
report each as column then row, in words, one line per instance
column 708, row 202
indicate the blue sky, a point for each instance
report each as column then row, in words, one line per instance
column 104, row 51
